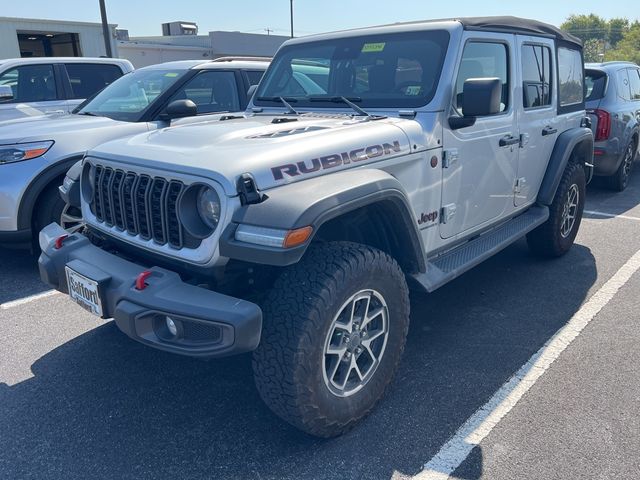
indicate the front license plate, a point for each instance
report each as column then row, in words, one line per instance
column 84, row 292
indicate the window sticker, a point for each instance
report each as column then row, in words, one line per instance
column 171, row 74
column 373, row 47
column 413, row 90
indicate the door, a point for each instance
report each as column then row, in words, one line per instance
column 481, row 160
column 537, row 119
column 35, row 92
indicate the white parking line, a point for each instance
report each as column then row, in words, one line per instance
column 480, row 424
column 610, row 215
column 30, row 298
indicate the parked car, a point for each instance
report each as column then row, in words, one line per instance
column 613, row 103
column 36, row 153
column 38, row 86
column 292, row 231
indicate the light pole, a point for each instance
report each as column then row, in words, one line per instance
column 105, row 29
column 291, row 11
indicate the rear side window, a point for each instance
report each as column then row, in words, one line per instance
column 536, row 76
column 30, row 83
column 622, row 80
column 87, row 78
column 483, row 60
column 254, row 76
column 211, row 92
column 596, row 82
column 570, row 80
column 634, row 83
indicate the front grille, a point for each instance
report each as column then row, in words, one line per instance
column 138, row 204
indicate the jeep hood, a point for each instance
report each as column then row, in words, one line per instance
column 275, row 149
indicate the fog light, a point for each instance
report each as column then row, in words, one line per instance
column 171, row 326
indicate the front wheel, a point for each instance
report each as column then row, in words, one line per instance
column 556, row 236
column 334, row 330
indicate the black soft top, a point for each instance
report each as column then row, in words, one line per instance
column 517, row 25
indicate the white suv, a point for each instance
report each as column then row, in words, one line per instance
column 36, row 86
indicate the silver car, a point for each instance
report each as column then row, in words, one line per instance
column 613, row 103
column 37, row 86
column 36, row 153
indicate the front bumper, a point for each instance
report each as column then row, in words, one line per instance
column 210, row 324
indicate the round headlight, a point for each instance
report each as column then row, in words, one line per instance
column 209, row 206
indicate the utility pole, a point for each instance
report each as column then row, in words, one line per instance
column 268, row 30
column 105, row 29
column 291, row 10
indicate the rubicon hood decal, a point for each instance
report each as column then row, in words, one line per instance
column 334, row 160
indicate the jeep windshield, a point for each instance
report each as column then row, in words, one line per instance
column 396, row 70
column 129, row 97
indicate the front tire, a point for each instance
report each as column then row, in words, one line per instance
column 555, row 237
column 334, row 330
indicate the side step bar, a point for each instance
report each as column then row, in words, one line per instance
column 453, row 263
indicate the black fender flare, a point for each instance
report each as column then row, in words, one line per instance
column 566, row 143
column 314, row 202
column 37, row 186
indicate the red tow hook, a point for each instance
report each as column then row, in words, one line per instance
column 141, row 280
column 59, row 241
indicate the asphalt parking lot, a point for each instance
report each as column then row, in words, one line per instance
column 78, row 399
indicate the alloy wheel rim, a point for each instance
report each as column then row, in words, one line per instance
column 628, row 163
column 355, row 343
column 71, row 219
column 569, row 211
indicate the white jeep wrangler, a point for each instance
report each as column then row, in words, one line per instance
column 369, row 159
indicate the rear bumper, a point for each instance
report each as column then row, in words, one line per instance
column 606, row 159
column 209, row 324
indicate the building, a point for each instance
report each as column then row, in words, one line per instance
column 28, row 37
column 185, row 44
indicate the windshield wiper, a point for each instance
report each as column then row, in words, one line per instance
column 91, row 114
column 283, row 101
column 347, row 101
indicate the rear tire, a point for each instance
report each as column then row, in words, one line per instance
column 555, row 237
column 619, row 180
column 315, row 330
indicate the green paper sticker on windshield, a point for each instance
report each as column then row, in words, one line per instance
column 373, row 47
column 171, row 74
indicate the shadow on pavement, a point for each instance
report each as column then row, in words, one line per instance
column 19, row 275
column 102, row 406
column 601, row 198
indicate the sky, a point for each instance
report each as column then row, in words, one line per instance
column 143, row 17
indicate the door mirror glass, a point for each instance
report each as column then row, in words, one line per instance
column 6, row 93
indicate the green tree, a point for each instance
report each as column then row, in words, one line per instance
column 593, row 48
column 629, row 47
column 617, row 28
column 587, row 27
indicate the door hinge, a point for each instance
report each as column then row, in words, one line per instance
column 524, row 139
column 448, row 212
column 449, row 157
column 520, row 183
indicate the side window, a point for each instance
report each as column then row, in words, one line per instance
column 570, row 77
column 622, row 79
column 483, row 60
column 87, row 79
column 212, row 91
column 536, row 76
column 30, row 83
column 634, row 83
column 254, row 76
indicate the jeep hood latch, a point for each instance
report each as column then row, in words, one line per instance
column 247, row 190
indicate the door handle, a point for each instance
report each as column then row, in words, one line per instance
column 549, row 131
column 509, row 140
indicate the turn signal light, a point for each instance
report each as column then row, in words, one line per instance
column 297, row 237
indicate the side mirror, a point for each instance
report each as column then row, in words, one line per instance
column 180, row 109
column 6, row 93
column 481, row 97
